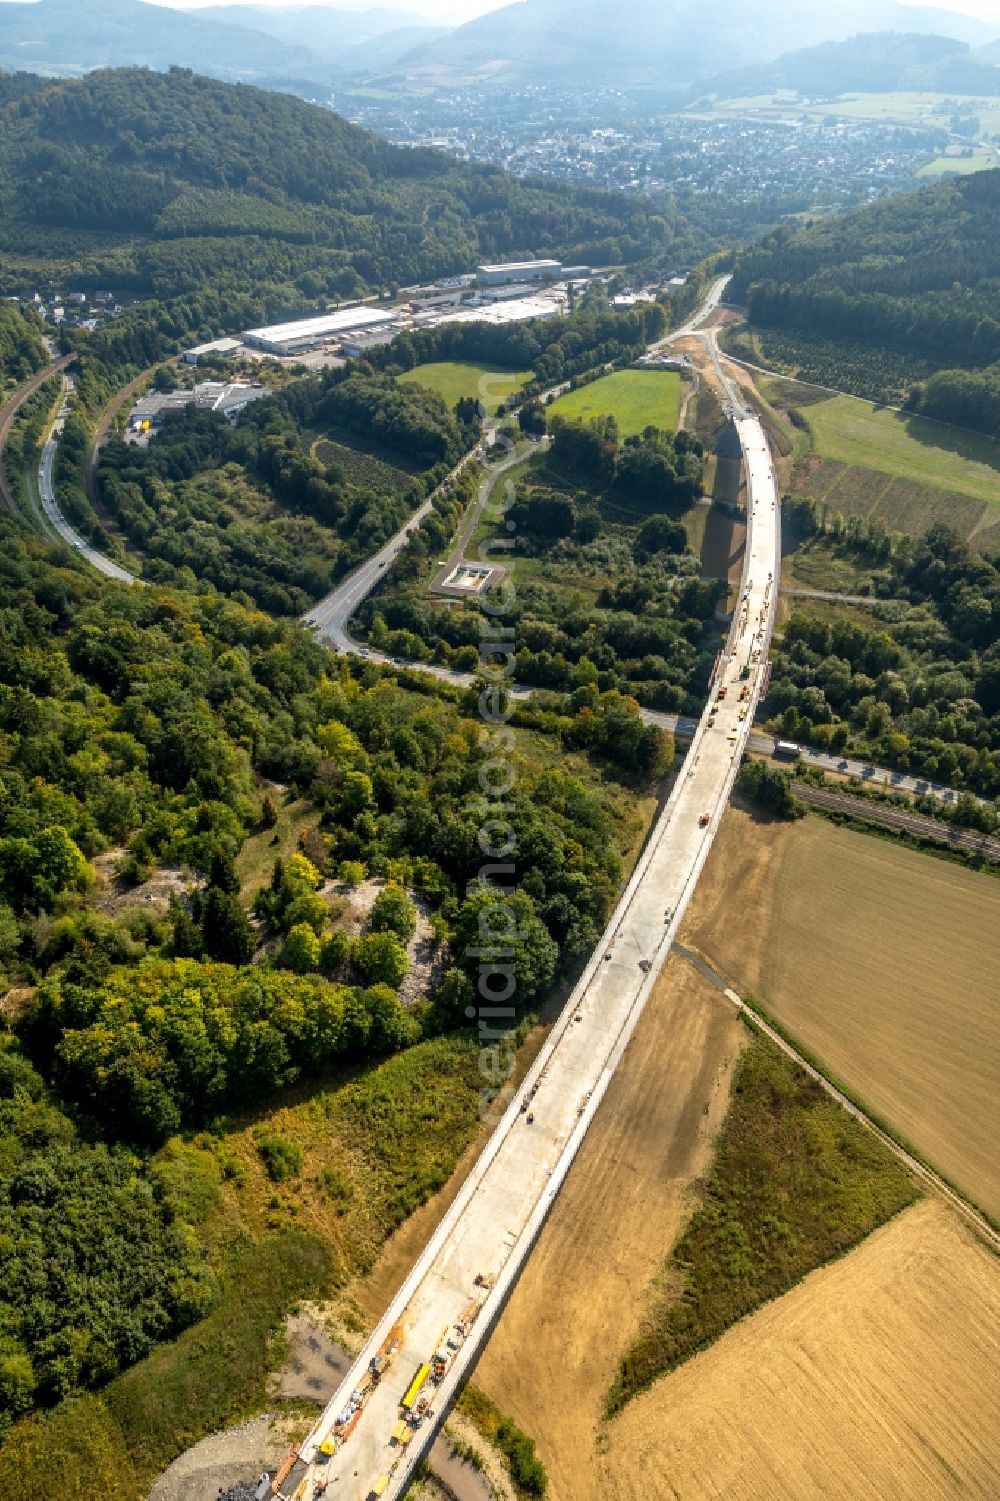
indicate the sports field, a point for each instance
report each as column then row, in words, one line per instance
column 929, row 453
column 453, row 379
column 636, row 399
column 962, row 164
column 878, row 959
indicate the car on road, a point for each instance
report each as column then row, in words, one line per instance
column 704, row 820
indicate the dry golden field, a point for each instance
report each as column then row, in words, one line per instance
column 873, row 1380
column 578, row 1303
column 878, row 959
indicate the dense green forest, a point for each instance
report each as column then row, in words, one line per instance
column 21, row 349
column 166, row 183
column 553, row 349
column 609, row 598
column 254, row 509
column 162, row 729
column 964, row 397
column 916, row 275
column 916, row 685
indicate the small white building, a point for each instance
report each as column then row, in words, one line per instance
column 222, row 348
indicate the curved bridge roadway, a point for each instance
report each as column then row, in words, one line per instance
column 457, row 1287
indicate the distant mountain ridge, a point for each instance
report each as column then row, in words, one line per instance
column 241, row 43
column 874, row 62
column 635, row 41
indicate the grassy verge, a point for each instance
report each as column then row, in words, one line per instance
column 75, row 1452
column 795, row 1182
column 637, row 399
column 216, row 1371
column 114, row 1446
column 526, row 1470
column 255, row 861
column 877, row 1120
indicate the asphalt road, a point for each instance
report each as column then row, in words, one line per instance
column 9, row 411
column 330, row 615
column 56, row 518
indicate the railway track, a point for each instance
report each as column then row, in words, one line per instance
column 903, row 819
column 10, row 410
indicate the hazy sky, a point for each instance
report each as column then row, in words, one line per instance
column 462, row 10
column 451, row 11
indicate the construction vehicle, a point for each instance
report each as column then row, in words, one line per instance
column 401, row 1434
column 413, row 1390
column 379, row 1488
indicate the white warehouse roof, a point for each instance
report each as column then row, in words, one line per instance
column 518, row 310
column 523, row 266
column 344, row 320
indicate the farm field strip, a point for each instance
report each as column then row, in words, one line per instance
column 453, row 379
column 874, row 1377
column 856, row 433
column 918, row 1045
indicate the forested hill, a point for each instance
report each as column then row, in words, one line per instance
column 164, row 183
column 876, row 62
column 919, row 273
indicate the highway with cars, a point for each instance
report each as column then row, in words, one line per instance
column 372, row 1435
column 55, row 517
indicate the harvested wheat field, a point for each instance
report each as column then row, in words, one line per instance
column 881, row 961
column 577, row 1305
column 873, row 1380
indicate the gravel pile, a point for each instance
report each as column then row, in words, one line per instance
column 242, row 1492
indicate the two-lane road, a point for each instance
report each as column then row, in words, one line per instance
column 47, row 495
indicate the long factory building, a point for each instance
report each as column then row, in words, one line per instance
column 311, row 333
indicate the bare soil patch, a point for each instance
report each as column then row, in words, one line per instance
column 875, row 1377
column 426, row 961
column 113, row 896
column 577, row 1305
column 881, row 962
column 315, row 1364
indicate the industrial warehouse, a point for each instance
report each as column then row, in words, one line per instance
column 284, row 339
column 508, row 292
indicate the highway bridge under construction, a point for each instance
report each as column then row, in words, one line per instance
column 378, row 1426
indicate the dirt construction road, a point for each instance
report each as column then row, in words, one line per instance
column 577, row 1304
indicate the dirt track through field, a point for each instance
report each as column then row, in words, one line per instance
column 880, row 961
column 581, row 1295
column 873, row 1380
